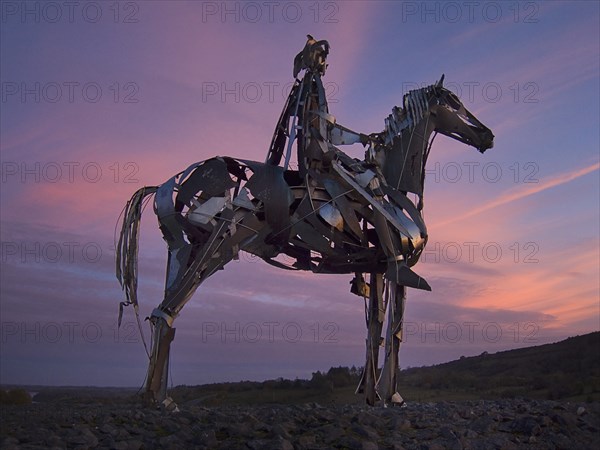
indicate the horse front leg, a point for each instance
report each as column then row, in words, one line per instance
column 375, row 317
column 387, row 384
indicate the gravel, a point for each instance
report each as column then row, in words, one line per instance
column 499, row 424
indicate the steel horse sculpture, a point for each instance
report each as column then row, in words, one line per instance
column 335, row 214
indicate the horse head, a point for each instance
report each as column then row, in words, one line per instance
column 454, row 120
column 402, row 148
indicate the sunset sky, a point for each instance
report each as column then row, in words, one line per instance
column 101, row 98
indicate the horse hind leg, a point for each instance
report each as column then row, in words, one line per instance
column 185, row 273
column 163, row 333
column 158, row 368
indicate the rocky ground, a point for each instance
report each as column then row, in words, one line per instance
column 501, row 424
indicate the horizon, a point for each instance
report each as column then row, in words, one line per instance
column 99, row 100
column 140, row 387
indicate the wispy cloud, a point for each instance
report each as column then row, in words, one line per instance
column 518, row 194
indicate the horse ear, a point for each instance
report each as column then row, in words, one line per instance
column 441, row 82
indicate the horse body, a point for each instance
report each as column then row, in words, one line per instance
column 334, row 214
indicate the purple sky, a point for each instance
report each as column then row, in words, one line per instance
column 99, row 99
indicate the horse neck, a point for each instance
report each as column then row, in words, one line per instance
column 406, row 156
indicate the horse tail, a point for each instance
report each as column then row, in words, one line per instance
column 127, row 248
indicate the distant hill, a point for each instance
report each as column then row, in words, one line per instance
column 568, row 370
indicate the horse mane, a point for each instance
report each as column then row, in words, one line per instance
column 415, row 104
